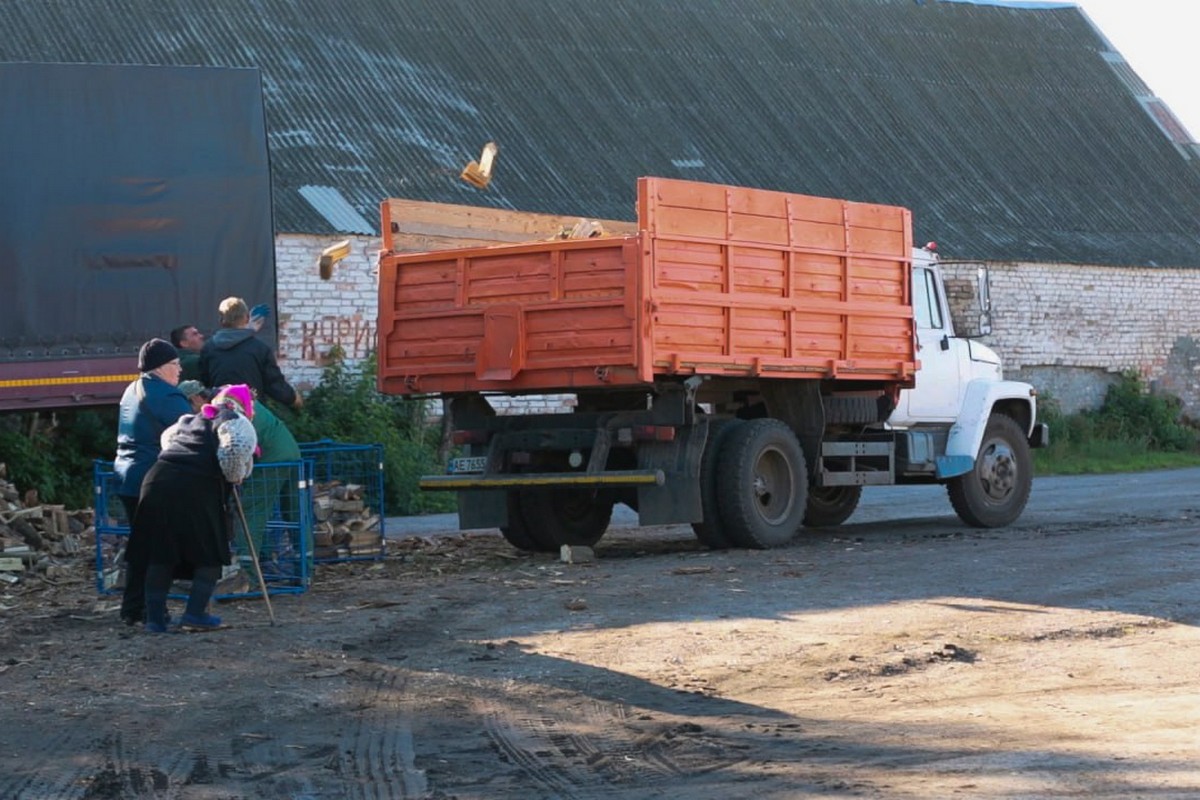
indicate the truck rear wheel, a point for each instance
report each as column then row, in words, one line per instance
column 516, row 532
column 830, row 505
column 555, row 517
column 995, row 492
column 763, row 484
column 710, row 530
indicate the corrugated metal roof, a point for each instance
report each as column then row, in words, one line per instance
column 336, row 210
column 1003, row 128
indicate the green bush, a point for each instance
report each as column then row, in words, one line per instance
column 1130, row 412
column 1130, row 415
column 346, row 407
column 53, row 452
column 1133, row 430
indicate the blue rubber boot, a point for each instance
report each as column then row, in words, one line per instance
column 196, row 616
column 158, row 585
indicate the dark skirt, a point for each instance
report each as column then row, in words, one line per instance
column 181, row 519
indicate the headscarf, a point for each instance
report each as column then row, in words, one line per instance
column 236, row 397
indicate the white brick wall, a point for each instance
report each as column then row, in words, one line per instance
column 1072, row 329
column 316, row 315
column 1068, row 329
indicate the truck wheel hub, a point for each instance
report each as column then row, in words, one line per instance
column 998, row 471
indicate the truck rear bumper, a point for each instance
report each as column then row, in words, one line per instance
column 616, row 478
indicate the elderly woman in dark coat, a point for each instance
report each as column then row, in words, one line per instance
column 151, row 403
column 182, row 525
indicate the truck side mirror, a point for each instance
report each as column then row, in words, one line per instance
column 983, row 280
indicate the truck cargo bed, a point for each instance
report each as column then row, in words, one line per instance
column 720, row 280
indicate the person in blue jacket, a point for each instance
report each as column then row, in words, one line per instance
column 151, row 404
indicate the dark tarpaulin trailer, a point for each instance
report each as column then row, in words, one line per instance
column 132, row 200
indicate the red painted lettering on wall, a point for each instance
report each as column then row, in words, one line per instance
column 354, row 335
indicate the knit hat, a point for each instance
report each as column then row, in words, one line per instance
column 238, row 396
column 155, row 353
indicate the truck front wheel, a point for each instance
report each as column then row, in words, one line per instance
column 995, row 492
column 830, row 505
column 763, row 484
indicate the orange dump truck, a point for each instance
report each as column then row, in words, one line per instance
column 742, row 362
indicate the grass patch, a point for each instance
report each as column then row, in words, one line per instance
column 1099, row 458
column 1133, row 431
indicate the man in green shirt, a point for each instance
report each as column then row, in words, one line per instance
column 188, row 340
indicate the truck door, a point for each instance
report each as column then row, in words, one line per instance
column 938, row 392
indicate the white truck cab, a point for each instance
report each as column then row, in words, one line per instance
column 979, row 426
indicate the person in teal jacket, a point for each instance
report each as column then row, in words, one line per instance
column 272, row 486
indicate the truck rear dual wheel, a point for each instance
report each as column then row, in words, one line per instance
column 995, row 492
column 577, row 517
column 763, row 485
column 517, row 532
column 711, row 530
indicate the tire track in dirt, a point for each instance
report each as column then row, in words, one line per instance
column 598, row 748
column 279, row 769
column 98, row 770
column 32, row 778
column 377, row 759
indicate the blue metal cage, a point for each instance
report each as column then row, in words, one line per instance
column 348, row 504
column 277, row 499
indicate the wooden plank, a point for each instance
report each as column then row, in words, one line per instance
column 420, row 226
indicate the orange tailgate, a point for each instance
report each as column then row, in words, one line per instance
column 529, row 317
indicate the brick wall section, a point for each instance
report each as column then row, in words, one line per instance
column 1072, row 330
column 1068, row 329
column 316, row 315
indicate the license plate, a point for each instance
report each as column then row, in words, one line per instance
column 459, row 466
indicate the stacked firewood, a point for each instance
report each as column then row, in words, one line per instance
column 344, row 525
column 38, row 538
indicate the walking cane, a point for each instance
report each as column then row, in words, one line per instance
column 262, row 583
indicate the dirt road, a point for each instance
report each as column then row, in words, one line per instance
column 902, row 655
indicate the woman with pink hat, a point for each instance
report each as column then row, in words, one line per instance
column 182, row 524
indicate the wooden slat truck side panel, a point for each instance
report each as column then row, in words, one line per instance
column 748, row 281
column 720, row 281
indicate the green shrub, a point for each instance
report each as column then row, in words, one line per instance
column 53, row 452
column 1130, row 413
column 1133, row 430
column 347, row 407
